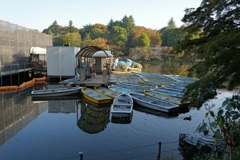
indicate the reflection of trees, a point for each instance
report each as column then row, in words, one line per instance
column 16, row 112
column 93, row 119
column 167, row 68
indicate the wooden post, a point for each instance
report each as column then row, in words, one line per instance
column 159, row 150
column 81, row 155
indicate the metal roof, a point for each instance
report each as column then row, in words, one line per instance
column 89, row 51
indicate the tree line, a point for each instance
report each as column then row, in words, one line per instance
column 118, row 36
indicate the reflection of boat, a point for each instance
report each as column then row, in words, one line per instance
column 122, row 120
column 52, row 98
column 107, row 92
column 93, row 119
column 153, row 103
column 94, row 96
column 163, row 97
column 154, row 112
column 64, row 91
column 122, row 106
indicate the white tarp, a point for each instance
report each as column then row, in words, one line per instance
column 38, row 50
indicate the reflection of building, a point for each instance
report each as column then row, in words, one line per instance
column 62, row 106
column 93, row 119
column 16, row 112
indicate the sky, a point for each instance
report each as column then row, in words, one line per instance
column 40, row 14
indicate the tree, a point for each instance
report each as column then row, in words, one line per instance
column 129, row 24
column 99, row 42
column 118, row 35
column 217, row 47
column 72, row 39
column 143, row 40
column 171, row 36
column 171, row 23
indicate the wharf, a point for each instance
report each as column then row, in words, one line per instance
column 98, row 80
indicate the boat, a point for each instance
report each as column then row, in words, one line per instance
column 169, row 92
column 106, row 91
column 153, row 103
column 94, row 96
column 163, row 97
column 119, row 89
column 56, row 92
column 70, row 81
column 135, row 88
column 122, row 106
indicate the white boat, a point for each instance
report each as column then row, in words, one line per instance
column 122, row 106
column 64, row 91
column 153, row 103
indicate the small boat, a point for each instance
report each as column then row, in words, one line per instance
column 169, row 92
column 130, row 87
column 106, row 91
column 94, row 96
column 122, row 106
column 163, row 97
column 64, row 91
column 153, row 103
column 119, row 89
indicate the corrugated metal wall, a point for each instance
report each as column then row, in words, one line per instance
column 16, row 41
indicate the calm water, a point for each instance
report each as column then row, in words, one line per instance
column 61, row 129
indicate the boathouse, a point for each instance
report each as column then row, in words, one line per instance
column 93, row 64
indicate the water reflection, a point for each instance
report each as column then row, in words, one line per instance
column 174, row 68
column 122, row 120
column 93, row 119
column 16, row 112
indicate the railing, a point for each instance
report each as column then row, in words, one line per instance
column 14, row 68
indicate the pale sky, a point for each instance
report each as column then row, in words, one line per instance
column 40, row 14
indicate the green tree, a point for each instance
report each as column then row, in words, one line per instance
column 129, row 24
column 72, row 39
column 55, row 28
column 171, row 36
column 171, row 23
column 86, row 40
column 217, row 47
column 118, row 36
column 144, row 40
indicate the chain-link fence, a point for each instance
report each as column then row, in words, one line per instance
column 16, row 41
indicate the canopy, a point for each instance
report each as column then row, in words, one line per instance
column 102, row 54
column 89, row 51
column 38, row 50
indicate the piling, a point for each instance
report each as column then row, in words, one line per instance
column 159, row 150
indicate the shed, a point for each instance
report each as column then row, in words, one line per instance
column 95, row 58
column 61, row 61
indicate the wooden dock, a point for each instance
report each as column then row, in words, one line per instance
column 98, row 80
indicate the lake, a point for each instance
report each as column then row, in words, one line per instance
column 62, row 129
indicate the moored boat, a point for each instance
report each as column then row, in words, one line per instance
column 163, row 97
column 94, row 96
column 63, row 91
column 169, row 92
column 122, row 106
column 153, row 103
column 106, row 91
